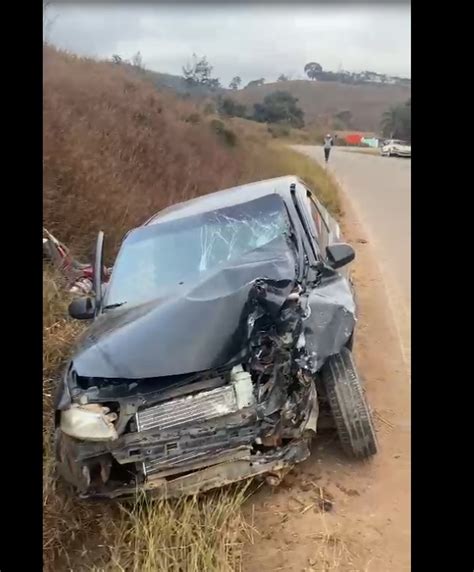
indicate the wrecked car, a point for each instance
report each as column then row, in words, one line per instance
column 223, row 335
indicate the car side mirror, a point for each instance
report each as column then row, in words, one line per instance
column 82, row 308
column 339, row 255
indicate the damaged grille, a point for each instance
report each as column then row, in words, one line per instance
column 192, row 460
column 201, row 406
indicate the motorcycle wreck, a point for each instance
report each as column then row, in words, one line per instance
column 212, row 365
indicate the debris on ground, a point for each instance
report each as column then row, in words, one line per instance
column 78, row 276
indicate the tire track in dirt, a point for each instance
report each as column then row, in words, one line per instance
column 364, row 525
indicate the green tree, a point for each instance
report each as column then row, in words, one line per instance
column 137, row 60
column 345, row 117
column 198, row 72
column 389, row 122
column 235, row 83
column 396, row 121
column 282, row 77
column 312, row 69
column 230, row 108
column 256, row 82
column 279, row 107
column 213, row 83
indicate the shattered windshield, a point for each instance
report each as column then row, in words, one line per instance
column 158, row 260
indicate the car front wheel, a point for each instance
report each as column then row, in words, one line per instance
column 349, row 408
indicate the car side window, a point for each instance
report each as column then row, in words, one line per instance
column 321, row 226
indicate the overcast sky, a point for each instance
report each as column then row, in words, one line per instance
column 252, row 41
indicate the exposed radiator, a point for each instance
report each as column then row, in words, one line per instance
column 200, row 406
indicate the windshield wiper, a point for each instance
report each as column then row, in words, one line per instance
column 112, row 306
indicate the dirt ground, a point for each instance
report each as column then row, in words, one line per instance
column 331, row 513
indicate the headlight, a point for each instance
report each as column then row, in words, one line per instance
column 90, row 422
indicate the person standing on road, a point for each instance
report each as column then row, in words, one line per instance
column 328, row 143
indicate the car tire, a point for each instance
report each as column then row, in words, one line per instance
column 349, row 407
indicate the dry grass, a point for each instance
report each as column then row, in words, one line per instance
column 58, row 330
column 191, row 534
column 290, row 161
column 331, row 549
column 63, row 517
column 337, row 548
column 115, row 151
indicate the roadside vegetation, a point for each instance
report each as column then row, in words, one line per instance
column 396, row 122
column 117, row 150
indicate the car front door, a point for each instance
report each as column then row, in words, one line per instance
column 327, row 229
column 319, row 223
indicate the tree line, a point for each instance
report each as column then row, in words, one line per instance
column 277, row 107
column 280, row 106
column 198, row 72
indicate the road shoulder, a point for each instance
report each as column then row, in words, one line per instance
column 368, row 526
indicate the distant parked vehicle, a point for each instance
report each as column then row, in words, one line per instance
column 395, row 148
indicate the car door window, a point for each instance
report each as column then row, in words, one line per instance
column 321, row 226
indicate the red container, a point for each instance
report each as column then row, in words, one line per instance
column 353, row 139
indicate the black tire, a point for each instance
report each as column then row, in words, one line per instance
column 349, row 408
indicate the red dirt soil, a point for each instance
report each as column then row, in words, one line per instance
column 368, row 525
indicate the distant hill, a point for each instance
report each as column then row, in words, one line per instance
column 320, row 100
column 174, row 83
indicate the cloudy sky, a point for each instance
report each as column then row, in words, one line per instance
column 252, row 41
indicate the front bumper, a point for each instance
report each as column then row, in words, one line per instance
column 193, row 444
column 229, row 470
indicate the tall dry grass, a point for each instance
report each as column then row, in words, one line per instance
column 116, row 151
column 192, row 534
column 65, row 519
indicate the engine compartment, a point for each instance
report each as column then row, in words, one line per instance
column 248, row 419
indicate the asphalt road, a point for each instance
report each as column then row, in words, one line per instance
column 379, row 189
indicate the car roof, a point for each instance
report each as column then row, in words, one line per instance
column 229, row 197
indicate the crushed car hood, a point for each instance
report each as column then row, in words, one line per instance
column 193, row 329
column 207, row 326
